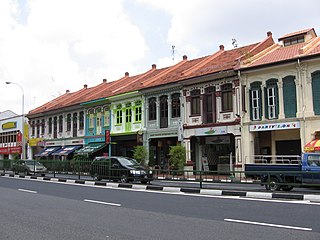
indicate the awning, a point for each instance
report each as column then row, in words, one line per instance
column 66, row 150
column 91, row 148
column 312, row 146
column 47, row 151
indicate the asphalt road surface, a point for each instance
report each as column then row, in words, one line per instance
column 31, row 209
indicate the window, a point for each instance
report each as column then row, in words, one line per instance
column 38, row 128
column 33, row 128
column 271, row 99
column 50, row 125
column 81, row 120
column 209, row 105
column 289, row 96
column 69, row 122
column 164, row 111
column 60, row 124
column 175, row 104
column 138, row 111
column 106, row 117
column 128, row 115
column 99, row 122
column 316, row 92
column 91, row 118
column 226, row 95
column 119, row 114
column 55, row 127
column 42, row 126
column 195, row 102
column 293, row 40
column 255, row 101
column 152, row 109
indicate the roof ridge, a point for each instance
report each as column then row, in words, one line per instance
column 310, row 46
column 170, row 69
column 202, row 63
column 261, row 54
column 135, row 80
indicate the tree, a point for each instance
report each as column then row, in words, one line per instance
column 140, row 154
column 177, row 157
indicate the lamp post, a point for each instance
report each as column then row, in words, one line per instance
column 23, row 154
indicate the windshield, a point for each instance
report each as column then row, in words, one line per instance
column 33, row 163
column 128, row 161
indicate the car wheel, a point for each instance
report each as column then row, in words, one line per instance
column 144, row 181
column 123, row 178
column 43, row 174
column 273, row 185
column 96, row 177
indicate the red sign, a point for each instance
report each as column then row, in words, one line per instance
column 107, row 137
column 10, row 150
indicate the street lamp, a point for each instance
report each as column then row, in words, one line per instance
column 23, row 154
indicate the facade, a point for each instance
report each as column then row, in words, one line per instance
column 282, row 92
column 57, row 128
column 257, row 99
column 10, row 135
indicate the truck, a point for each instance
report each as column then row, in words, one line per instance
column 284, row 172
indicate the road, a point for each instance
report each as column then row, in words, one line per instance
column 33, row 209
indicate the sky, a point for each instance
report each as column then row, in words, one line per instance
column 50, row 46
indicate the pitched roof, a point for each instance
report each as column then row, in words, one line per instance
column 279, row 53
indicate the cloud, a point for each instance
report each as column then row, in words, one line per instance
column 49, row 46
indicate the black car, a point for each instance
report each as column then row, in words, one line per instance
column 122, row 169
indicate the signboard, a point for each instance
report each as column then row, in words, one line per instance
column 211, row 131
column 9, row 125
column 205, row 165
column 11, row 150
column 274, row 126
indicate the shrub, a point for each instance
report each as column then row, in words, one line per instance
column 140, row 154
column 177, row 157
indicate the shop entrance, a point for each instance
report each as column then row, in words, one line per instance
column 288, row 147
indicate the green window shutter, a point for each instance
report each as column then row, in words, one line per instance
column 316, row 92
column 250, row 101
column 277, row 100
column 266, row 112
column 289, row 97
column 260, row 103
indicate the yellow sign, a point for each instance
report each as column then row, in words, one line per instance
column 9, row 125
column 33, row 142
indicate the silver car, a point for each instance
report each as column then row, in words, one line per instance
column 29, row 167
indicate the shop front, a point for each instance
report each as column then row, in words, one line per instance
column 215, row 148
column 281, row 138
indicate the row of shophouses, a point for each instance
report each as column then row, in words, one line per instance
column 259, row 99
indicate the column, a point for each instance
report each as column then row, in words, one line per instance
column 281, row 103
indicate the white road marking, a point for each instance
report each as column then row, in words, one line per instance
column 109, row 186
column 105, row 203
column 26, row 190
column 268, row 224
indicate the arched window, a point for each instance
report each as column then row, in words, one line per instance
column 152, row 109
column 175, row 104
column 289, row 96
column 195, row 102
column 316, row 92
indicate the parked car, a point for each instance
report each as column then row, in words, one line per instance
column 118, row 168
column 29, row 167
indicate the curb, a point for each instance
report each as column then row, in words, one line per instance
column 212, row 192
